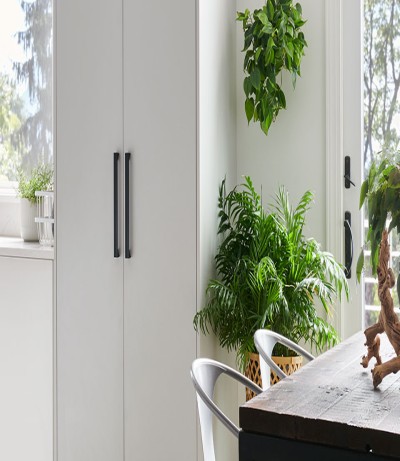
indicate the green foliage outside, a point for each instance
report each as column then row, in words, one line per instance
column 381, row 78
column 26, row 128
column 37, row 71
column 269, row 275
column 11, row 120
column 381, row 192
column 273, row 41
column 381, row 117
column 41, row 178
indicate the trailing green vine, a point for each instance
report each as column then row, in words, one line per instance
column 273, row 41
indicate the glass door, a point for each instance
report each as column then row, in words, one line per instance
column 381, row 116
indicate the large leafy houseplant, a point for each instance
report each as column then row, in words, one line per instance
column 273, row 41
column 381, row 192
column 269, row 274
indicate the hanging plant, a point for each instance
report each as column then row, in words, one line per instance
column 272, row 41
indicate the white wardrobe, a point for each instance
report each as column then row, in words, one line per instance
column 125, row 83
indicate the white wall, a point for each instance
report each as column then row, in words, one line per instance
column 293, row 153
column 217, row 159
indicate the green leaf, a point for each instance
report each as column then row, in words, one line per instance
column 269, row 57
column 298, row 8
column 249, row 108
column 242, row 16
column 289, row 49
column 247, row 86
column 394, row 178
column 265, row 125
column 360, row 265
column 258, row 52
column 300, row 23
column 263, row 18
column 270, row 44
column 248, row 37
column 248, row 56
column 363, row 192
column 270, row 10
column 267, row 29
column 290, row 31
column 255, row 77
column 281, row 98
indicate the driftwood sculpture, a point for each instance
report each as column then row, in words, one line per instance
column 388, row 321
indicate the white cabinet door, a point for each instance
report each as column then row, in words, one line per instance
column 125, row 339
column 89, row 278
column 26, row 359
column 160, row 277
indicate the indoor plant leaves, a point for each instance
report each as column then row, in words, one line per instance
column 273, row 41
column 269, row 274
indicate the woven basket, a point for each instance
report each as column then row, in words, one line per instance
column 253, row 372
column 288, row 364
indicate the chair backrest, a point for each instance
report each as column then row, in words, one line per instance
column 205, row 373
column 265, row 341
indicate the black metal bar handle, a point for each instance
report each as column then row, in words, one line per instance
column 116, row 230
column 127, row 174
column 348, row 245
column 347, row 173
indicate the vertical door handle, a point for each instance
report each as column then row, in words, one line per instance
column 116, row 233
column 347, row 173
column 127, row 174
column 348, row 245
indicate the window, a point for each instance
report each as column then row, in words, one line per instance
column 25, row 88
column 381, row 112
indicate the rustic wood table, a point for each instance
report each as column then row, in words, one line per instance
column 327, row 411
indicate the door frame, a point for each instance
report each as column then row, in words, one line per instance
column 344, row 131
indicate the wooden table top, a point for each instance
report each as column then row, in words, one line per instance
column 332, row 401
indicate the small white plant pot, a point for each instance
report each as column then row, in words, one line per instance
column 29, row 230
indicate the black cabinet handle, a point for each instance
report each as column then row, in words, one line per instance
column 127, row 174
column 116, row 246
column 348, row 245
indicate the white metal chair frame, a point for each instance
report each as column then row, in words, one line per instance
column 265, row 341
column 204, row 374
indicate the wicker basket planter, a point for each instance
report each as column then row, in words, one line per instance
column 288, row 364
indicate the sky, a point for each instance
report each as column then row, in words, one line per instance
column 11, row 21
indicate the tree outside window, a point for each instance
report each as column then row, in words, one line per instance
column 381, row 111
column 25, row 86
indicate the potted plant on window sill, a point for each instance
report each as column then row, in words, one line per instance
column 269, row 276
column 40, row 179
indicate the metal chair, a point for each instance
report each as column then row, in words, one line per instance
column 265, row 341
column 204, row 374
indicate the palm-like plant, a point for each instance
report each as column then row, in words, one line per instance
column 269, row 274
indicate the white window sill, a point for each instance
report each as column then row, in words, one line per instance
column 17, row 248
column 9, row 214
column 8, row 197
